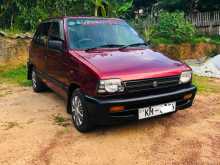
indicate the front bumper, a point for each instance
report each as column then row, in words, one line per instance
column 99, row 108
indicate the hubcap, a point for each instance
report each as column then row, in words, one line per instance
column 77, row 110
column 34, row 81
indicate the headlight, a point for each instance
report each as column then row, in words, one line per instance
column 110, row 86
column 185, row 77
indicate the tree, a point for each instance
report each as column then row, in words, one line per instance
column 187, row 6
column 99, row 4
column 111, row 7
column 120, row 8
column 25, row 15
column 208, row 5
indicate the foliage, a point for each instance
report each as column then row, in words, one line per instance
column 148, row 32
column 118, row 9
column 99, row 5
column 144, row 26
column 181, row 5
column 206, row 39
column 28, row 20
column 208, row 5
column 160, row 40
column 170, row 29
column 195, row 40
column 25, row 15
column 111, row 8
column 166, row 28
column 61, row 121
column 174, row 27
column 171, row 6
column 15, row 76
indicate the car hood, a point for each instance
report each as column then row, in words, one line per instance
column 132, row 64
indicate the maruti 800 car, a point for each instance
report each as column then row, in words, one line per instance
column 106, row 72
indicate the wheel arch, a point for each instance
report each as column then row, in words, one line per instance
column 70, row 90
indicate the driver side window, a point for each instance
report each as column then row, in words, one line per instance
column 54, row 32
column 42, row 34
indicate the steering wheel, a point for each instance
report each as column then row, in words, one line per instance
column 86, row 41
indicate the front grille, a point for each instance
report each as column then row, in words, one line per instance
column 153, row 84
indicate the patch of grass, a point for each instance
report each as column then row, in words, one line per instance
column 215, row 39
column 61, row 121
column 161, row 40
column 199, row 39
column 206, row 39
column 11, row 32
column 15, row 76
column 206, row 85
column 195, row 39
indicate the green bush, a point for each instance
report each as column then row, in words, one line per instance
column 29, row 18
column 173, row 27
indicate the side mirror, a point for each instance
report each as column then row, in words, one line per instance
column 56, row 45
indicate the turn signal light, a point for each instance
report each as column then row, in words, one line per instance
column 187, row 97
column 117, row 109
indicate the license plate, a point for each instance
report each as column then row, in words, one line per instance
column 157, row 110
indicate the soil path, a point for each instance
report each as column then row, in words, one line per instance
column 29, row 134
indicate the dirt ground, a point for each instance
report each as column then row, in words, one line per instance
column 35, row 129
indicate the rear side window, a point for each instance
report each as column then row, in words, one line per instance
column 41, row 35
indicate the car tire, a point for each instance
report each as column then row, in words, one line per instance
column 79, row 112
column 37, row 83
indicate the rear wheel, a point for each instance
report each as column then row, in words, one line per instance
column 37, row 84
column 79, row 112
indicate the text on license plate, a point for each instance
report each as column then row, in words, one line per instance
column 157, row 110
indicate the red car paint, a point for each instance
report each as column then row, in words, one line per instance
column 131, row 64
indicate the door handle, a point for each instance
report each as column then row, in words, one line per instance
column 72, row 71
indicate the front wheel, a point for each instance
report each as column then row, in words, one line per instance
column 79, row 112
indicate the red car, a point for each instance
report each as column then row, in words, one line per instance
column 106, row 72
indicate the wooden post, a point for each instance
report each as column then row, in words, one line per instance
column 219, row 30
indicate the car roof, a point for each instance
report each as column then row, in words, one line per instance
column 80, row 17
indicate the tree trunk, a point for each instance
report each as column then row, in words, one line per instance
column 11, row 22
column 96, row 10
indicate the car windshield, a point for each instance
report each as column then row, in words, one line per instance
column 92, row 33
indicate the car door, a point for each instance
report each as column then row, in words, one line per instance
column 38, row 47
column 55, row 56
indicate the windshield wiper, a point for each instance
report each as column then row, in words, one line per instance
column 133, row 45
column 105, row 46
